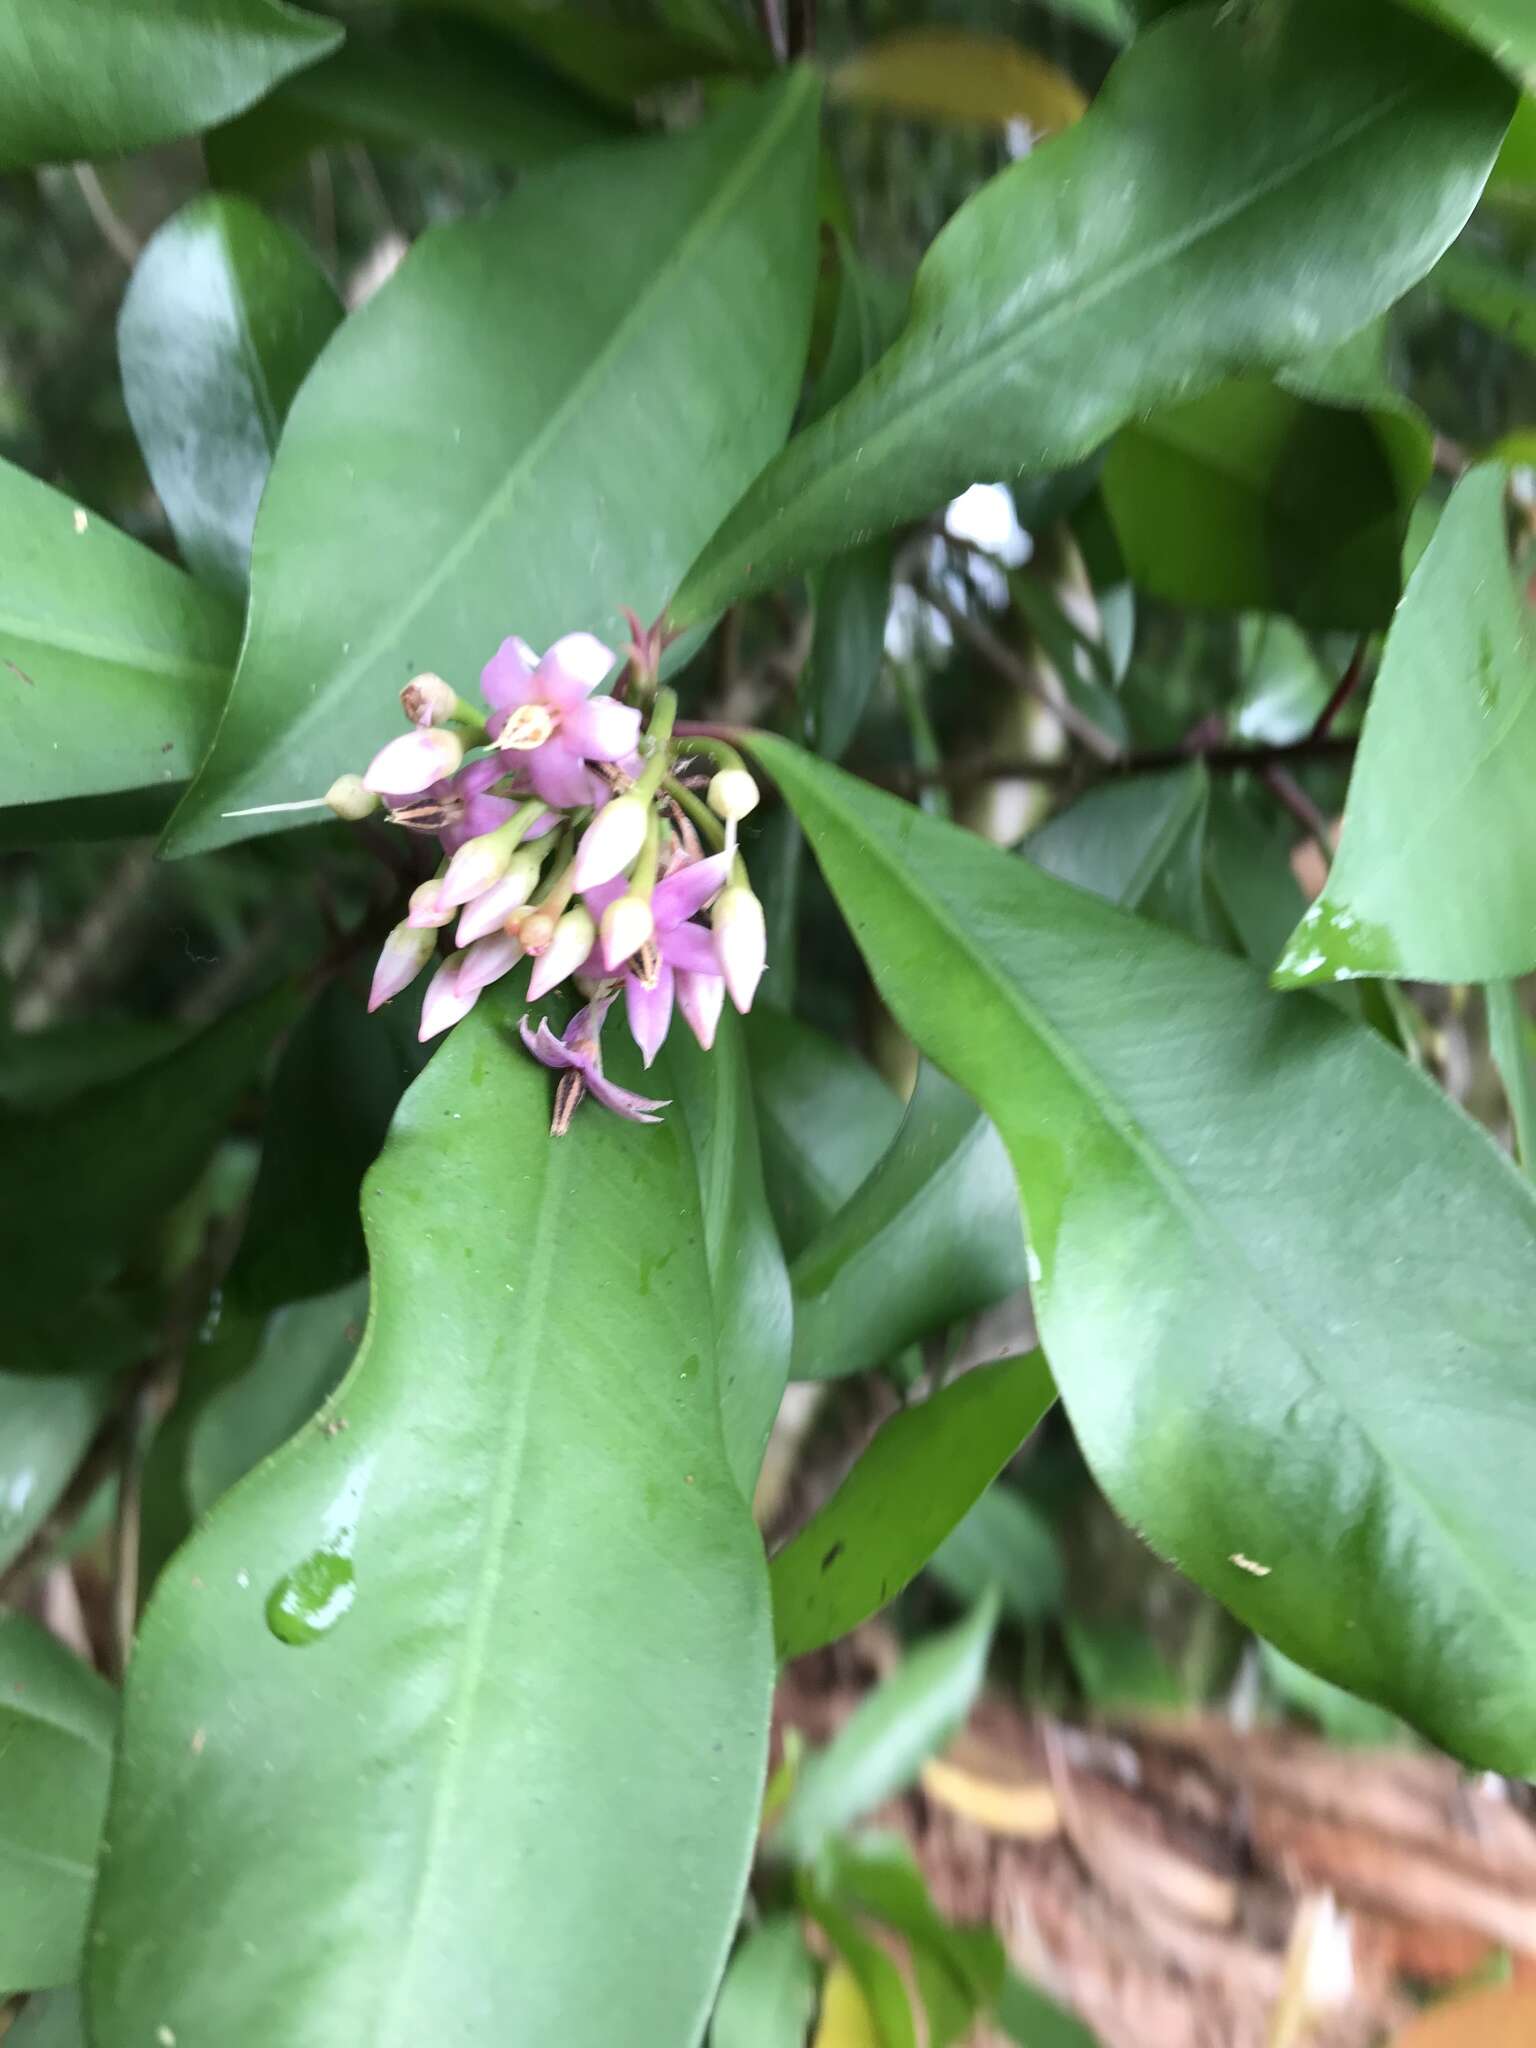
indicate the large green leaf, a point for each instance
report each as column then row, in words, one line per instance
column 225, row 312
column 1139, row 843
column 484, row 408
column 112, row 662
column 1253, row 497
column 749, row 1285
column 1504, row 28
column 825, row 1117
column 403, row 84
column 769, row 1991
column 84, row 1185
column 1241, row 193
column 1287, row 1290
column 1435, row 878
column 56, row 1719
column 930, row 1236
column 79, row 78
column 46, row 1424
column 526, row 1558
column 903, row 1497
column 883, row 1745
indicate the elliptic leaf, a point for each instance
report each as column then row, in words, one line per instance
column 930, row 1236
column 56, row 1719
column 225, row 312
column 1139, row 843
column 1006, row 1543
column 112, row 661
column 1234, row 199
column 525, row 1559
column 948, row 74
column 1435, row 878
column 769, row 1991
column 45, row 1425
column 470, row 457
column 79, row 79
column 1286, row 1288
column 925, row 1468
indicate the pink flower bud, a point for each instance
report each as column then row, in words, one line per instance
column 485, row 912
column 427, row 909
column 350, row 799
column 406, row 952
column 741, row 942
column 477, row 864
column 624, row 928
column 733, row 794
column 428, row 700
column 612, row 841
column 487, row 960
column 701, row 998
column 445, row 1002
column 573, row 939
column 414, row 762
column 533, row 928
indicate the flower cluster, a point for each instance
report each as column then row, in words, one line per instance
column 573, row 835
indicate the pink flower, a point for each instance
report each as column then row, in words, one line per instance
column 545, row 718
column 414, row 762
column 577, row 1056
column 684, row 962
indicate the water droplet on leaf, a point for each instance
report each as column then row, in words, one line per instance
column 307, row 1602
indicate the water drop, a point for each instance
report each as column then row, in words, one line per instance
column 307, row 1602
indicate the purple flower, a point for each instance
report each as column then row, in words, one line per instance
column 679, row 962
column 545, row 716
column 577, row 1056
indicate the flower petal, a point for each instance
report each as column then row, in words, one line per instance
column 572, row 669
column 685, row 891
column 406, row 951
column 690, row 948
column 638, row 1109
column 558, row 776
column 445, row 1003
column 487, row 960
column 649, row 1011
column 414, row 762
column 507, row 678
column 601, row 730
column 701, row 997
column 545, row 1047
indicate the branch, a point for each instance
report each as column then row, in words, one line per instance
column 1222, row 759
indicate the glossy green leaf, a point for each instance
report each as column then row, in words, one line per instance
column 1031, row 2019
column 1284, row 686
column 1286, row 1289
column 930, row 1236
column 407, row 83
column 919, row 1476
column 769, row 1991
column 113, row 662
column 1231, row 201
column 1512, row 1041
column 1435, row 876
column 877, row 1874
column 749, row 1285
column 1248, row 869
column 85, row 1184
column 890, row 1735
column 1493, row 294
column 621, row 61
column 1253, row 497
column 1139, row 843
column 46, row 1425
column 1504, row 28
column 477, row 463
column 224, row 314
column 1006, row 1543
column 333, row 1093
column 1514, row 172
column 79, row 79
column 539, row 1652
column 53, row 2019
column 56, row 1719
column 1346, row 1721
column 301, row 1355
column 824, row 1115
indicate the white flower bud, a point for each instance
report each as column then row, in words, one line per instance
column 733, row 794
column 612, row 841
column 350, row 798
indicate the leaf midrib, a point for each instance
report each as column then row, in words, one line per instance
column 1185, row 1201
column 721, row 202
column 148, row 660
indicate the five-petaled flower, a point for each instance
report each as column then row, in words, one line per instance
column 578, row 1057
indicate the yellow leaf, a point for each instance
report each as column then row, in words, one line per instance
column 846, row 2020
column 946, row 74
column 1026, row 1811
column 1505, row 2018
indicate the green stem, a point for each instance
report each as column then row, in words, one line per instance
column 702, row 816
column 658, row 733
